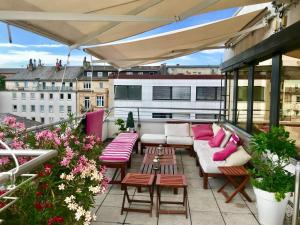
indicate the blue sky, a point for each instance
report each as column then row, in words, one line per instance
column 29, row 45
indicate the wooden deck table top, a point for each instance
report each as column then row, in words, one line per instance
column 167, row 161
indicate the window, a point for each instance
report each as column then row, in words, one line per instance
column 25, row 84
column 69, row 96
column 206, row 116
column 89, row 74
column 23, row 108
column 100, row 74
column 50, row 108
column 101, row 85
column 32, row 108
column 86, row 103
column 32, row 95
column 42, row 96
column 44, row 85
column 61, row 108
column 50, row 96
column 208, row 93
column 171, row 93
column 61, row 96
column 129, row 73
column 140, row 73
column 15, row 108
column 298, row 99
column 16, row 83
column 128, row 92
column 69, row 109
column 42, row 108
column 100, row 101
column 42, row 120
column 242, row 97
column 14, row 95
column 87, row 85
column 229, row 97
column 71, row 85
column 51, row 119
column 258, row 93
column 53, row 85
column 23, row 95
column 33, row 118
column 162, row 115
column 162, row 93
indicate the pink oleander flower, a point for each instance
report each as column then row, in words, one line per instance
column 22, row 160
column 10, row 121
column 4, row 160
column 17, row 144
column 2, row 136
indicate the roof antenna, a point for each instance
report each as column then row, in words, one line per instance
column 9, row 33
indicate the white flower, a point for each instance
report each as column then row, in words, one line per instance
column 94, row 217
column 78, row 190
column 69, row 199
column 70, row 177
column 61, row 187
column 72, row 206
column 63, row 176
column 79, row 213
column 95, row 190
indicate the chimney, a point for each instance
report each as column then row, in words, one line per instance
column 30, row 65
column 57, row 68
column 39, row 63
column 34, row 64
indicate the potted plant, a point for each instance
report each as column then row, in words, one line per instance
column 130, row 122
column 272, row 184
column 121, row 124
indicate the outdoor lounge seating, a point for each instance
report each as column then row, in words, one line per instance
column 176, row 135
column 208, row 167
column 117, row 154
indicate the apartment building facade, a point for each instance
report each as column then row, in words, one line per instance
column 181, row 97
column 40, row 95
column 190, row 69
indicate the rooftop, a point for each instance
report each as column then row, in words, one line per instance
column 47, row 73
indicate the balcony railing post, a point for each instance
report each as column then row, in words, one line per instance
column 296, row 195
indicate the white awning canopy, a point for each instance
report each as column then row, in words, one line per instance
column 176, row 43
column 77, row 22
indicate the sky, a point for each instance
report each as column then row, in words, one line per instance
column 27, row 45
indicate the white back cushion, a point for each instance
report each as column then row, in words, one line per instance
column 177, row 129
column 226, row 138
column 215, row 128
column 238, row 158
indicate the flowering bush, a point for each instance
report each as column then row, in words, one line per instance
column 65, row 188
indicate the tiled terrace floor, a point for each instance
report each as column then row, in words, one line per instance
column 206, row 207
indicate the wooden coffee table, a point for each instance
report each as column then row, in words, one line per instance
column 167, row 161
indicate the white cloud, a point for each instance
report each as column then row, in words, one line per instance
column 12, row 45
column 17, row 58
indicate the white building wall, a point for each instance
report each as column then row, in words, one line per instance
column 8, row 101
column 176, row 107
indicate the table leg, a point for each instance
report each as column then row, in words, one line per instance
column 158, row 201
column 123, row 203
column 239, row 188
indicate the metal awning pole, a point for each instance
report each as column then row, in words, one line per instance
column 296, row 195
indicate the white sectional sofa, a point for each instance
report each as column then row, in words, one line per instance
column 177, row 135
column 204, row 157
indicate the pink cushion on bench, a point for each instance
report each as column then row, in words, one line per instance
column 226, row 152
column 217, row 140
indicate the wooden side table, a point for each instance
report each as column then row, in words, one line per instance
column 175, row 182
column 137, row 180
column 233, row 173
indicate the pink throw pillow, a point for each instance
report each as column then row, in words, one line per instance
column 199, row 132
column 226, row 152
column 204, row 138
column 217, row 140
column 234, row 138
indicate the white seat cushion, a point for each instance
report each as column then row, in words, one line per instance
column 154, row 138
column 205, row 155
column 175, row 140
column 177, row 129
